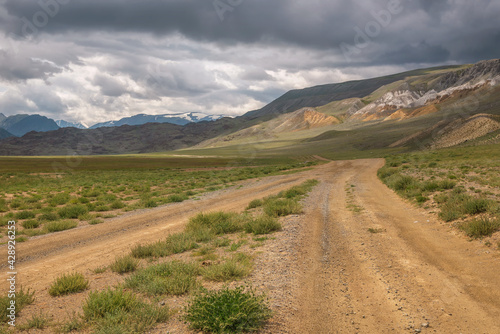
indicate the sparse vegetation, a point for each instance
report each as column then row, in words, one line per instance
column 479, row 228
column 228, row 310
column 22, row 299
column 118, row 311
column 235, row 267
column 263, row 224
column 67, row 284
column 114, row 185
column 124, row 264
column 461, row 183
column 58, row 226
column 171, row 278
column 37, row 321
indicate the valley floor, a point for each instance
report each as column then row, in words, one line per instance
column 359, row 260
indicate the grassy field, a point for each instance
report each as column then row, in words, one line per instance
column 191, row 268
column 461, row 184
column 43, row 197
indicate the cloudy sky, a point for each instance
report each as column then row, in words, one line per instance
column 97, row 60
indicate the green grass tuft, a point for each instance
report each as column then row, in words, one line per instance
column 238, row 266
column 59, row 226
column 72, row 211
column 67, row 284
column 277, row 207
column 172, row 278
column 124, row 264
column 480, row 227
column 22, row 299
column 263, row 224
column 117, row 311
column 228, row 310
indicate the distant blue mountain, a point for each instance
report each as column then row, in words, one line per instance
column 179, row 119
column 19, row 125
column 65, row 124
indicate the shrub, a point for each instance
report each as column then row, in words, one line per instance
column 116, row 311
column 25, row 215
column 282, row 207
column 474, row 206
column 150, row 203
column 117, row 204
column 22, row 299
column 59, row 199
column 263, row 225
column 174, row 244
column 60, row 225
column 50, row 216
column 228, row 311
column 480, row 227
column 39, row 321
column 67, row 284
column 236, row 267
column 124, row 264
column 218, row 222
column 96, row 221
column 72, row 211
column 176, row 198
column 255, row 204
column 402, row 183
column 172, row 278
column 30, row 224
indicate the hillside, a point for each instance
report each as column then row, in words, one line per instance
column 5, row 134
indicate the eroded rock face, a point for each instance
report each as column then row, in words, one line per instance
column 451, row 84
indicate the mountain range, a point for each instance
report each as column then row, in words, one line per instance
column 19, row 125
column 434, row 107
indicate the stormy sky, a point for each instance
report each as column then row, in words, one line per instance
column 97, row 60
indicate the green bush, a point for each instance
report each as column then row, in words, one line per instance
column 38, row 321
column 58, row 226
column 117, row 204
column 72, row 211
column 263, row 224
column 117, row 311
column 150, row 203
column 124, row 264
column 172, row 278
column 238, row 266
column 25, row 215
column 30, row 224
column 282, row 207
column 50, row 216
column 480, row 227
column 218, row 222
column 474, row 206
column 174, row 244
column 228, row 311
column 176, row 198
column 67, row 284
column 59, row 199
column 255, row 204
column 22, row 300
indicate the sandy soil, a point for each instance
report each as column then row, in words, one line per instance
column 325, row 272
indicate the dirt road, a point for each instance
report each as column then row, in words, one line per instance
column 411, row 273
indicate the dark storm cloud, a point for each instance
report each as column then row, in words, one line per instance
column 309, row 24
